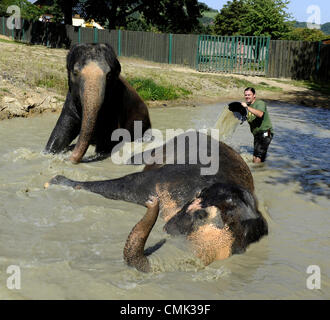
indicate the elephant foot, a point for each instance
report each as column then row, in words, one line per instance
column 96, row 157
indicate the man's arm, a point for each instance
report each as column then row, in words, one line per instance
column 256, row 112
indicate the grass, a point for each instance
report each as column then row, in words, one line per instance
column 146, row 87
column 12, row 41
column 4, row 90
column 149, row 90
column 240, row 83
column 52, row 81
column 322, row 87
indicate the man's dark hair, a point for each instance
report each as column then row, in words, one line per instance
column 250, row 89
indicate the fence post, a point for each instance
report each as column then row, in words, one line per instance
column 170, row 48
column 197, row 53
column 96, row 35
column 23, row 34
column 119, row 43
column 267, row 56
column 79, row 34
column 3, row 25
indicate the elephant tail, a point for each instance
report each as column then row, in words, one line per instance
column 134, row 248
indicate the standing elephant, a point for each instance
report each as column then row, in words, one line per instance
column 98, row 101
column 217, row 213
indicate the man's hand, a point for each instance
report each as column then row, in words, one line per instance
column 244, row 104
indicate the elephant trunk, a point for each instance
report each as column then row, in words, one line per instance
column 92, row 97
column 134, row 247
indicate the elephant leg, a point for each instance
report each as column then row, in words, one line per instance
column 66, row 130
column 134, row 248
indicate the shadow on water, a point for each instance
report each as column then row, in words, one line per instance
column 300, row 149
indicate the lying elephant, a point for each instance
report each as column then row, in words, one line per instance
column 216, row 213
column 98, row 102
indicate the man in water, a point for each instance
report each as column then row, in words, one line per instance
column 260, row 124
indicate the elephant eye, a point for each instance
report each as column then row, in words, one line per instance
column 75, row 71
column 200, row 214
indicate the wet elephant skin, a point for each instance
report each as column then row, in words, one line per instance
column 98, row 101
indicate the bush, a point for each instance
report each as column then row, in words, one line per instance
column 149, row 90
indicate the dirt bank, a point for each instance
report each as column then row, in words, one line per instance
column 33, row 80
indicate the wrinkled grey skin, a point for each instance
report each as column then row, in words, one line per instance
column 98, row 101
column 218, row 214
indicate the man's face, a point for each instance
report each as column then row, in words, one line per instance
column 249, row 97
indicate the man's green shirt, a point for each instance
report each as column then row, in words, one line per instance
column 259, row 124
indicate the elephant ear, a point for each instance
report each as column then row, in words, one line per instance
column 71, row 59
column 112, row 60
column 72, row 56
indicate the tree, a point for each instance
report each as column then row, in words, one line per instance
column 306, row 34
column 326, row 28
column 254, row 18
column 228, row 21
column 166, row 15
column 267, row 18
column 28, row 10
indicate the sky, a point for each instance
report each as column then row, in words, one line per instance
column 299, row 9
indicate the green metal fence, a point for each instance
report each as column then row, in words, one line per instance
column 237, row 54
column 241, row 55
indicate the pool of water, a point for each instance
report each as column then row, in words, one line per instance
column 69, row 243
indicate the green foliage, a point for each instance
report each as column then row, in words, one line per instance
column 241, row 83
column 229, row 21
column 306, row 34
column 253, row 18
column 28, row 10
column 55, row 10
column 326, row 28
column 179, row 16
column 297, row 24
column 149, row 90
column 51, row 81
column 267, row 18
column 318, row 86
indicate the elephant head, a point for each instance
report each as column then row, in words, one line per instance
column 93, row 69
column 220, row 221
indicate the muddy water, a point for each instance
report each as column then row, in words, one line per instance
column 68, row 243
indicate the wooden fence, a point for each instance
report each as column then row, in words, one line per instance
column 286, row 59
column 158, row 47
column 299, row 60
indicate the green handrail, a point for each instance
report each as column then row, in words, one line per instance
column 170, row 48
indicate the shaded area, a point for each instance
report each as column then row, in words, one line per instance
column 302, row 60
column 151, row 250
column 302, row 151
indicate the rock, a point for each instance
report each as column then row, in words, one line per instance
column 12, row 106
column 7, row 100
column 30, row 102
